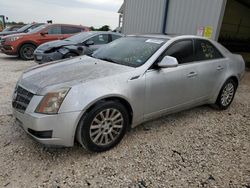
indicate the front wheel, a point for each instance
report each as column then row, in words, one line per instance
column 103, row 127
column 226, row 95
column 26, row 52
column 70, row 55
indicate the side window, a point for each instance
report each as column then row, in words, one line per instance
column 114, row 37
column 54, row 30
column 204, row 50
column 70, row 30
column 100, row 39
column 181, row 50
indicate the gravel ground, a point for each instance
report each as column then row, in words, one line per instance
column 201, row 147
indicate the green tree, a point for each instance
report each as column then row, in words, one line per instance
column 104, row 28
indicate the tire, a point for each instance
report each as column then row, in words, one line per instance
column 97, row 132
column 226, row 95
column 70, row 55
column 26, row 52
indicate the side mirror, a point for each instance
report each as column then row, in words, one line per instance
column 44, row 33
column 89, row 43
column 168, row 62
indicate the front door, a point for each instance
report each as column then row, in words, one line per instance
column 169, row 89
column 54, row 32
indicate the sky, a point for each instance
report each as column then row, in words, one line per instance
column 85, row 12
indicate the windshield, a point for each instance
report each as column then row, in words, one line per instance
column 24, row 28
column 37, row 29
column 129, row 51
column 6, row 29
column 79, row 37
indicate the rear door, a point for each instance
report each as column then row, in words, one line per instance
column 211, row 67
column 68, row 31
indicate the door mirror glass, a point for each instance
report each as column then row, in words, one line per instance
column 89, row 43
column 168, row 62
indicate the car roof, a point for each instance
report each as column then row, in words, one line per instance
column 105, row 32
column 158, row 36
column 71, row 25
column 168, row 36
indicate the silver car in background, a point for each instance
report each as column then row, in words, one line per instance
column 84, row 43
column 95, row 100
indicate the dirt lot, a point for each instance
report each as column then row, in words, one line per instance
column 201, row 147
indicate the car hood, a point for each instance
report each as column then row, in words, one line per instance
column 8, row 33
column 68, row 73
column 54, row 44
column 16, row 35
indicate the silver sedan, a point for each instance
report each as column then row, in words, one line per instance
column 95, row 100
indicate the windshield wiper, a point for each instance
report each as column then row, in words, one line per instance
column 108, row 59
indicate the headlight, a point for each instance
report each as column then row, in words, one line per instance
column 12, row 39
column 51, row 102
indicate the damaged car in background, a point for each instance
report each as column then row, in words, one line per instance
column 97, row 99
column 82, row 44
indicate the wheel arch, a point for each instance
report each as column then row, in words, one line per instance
column 120, row 99
column 71, row 51
column 24, row 43
column 215, row 97
column 235, row 79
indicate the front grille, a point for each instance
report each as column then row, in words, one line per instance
column 21, row 99
column 8, row 48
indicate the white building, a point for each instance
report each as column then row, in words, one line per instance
column 211, row 18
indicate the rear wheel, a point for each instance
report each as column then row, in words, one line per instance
column 226, row 95
column 26, row 52
column 103, row 127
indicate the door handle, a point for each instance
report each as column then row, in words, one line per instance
column 192, row 74
column 219, row 68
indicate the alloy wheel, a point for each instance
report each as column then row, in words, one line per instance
column 227, row 94
column 28, row 52
column 106, row 127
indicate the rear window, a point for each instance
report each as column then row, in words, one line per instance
column 70, row 30
column 205, row 50
column 100, row 39
column 54, row 30
column 114, row 37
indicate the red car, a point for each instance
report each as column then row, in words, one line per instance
column 24, row 44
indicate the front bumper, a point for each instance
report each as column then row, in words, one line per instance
column 41, row 58
column 8, row 50
column 51, row 130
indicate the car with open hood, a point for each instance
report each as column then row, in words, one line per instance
column 95, row 99
column 24, row 44
column 80, row 44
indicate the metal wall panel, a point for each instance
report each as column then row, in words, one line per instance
column 186, row 16
column 143, row 16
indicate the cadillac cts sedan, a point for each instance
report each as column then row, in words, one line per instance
column 95, row 100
